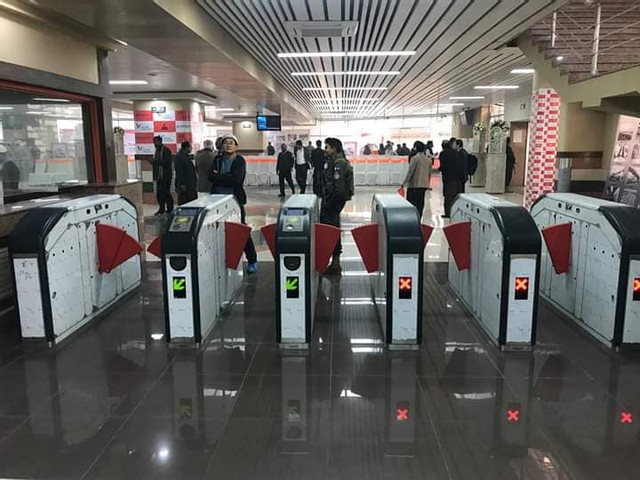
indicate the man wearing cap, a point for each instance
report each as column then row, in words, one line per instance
column 227, row 178
column 204, row 164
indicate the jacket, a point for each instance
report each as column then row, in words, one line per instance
column 204, row 164
column 337, row 182
column 234, row 179
column 285, row 162
column 419, row 173
column 185, row 171
column 305, row 155
column 162, row 165
column 451, row 166
column 317, row 159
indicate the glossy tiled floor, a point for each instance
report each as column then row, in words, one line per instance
column 117, row 403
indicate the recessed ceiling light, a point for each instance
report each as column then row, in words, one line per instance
column 496, row 87
column 559, row 58
column 64, row 100
column 6, row 108
column 128, row 82
column 467, row 98
column 34, row 113
column 221, row 109
column 344, row 99
column 332, row 74
column 523, row 70
column 389, row 53
column 121, row 42
column 311, row 54
column 341, row 89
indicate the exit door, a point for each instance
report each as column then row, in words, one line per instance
column 519, row 141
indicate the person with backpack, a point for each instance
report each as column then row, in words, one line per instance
column 337, row 190
column 418, row 177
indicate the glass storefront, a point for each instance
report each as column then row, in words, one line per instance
column 43, row 143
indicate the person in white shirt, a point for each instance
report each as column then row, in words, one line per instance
column 302, row 165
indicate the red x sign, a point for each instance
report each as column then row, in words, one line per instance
column 522, row 283
column 513, row 416
column 626, row 417
column 403, row 414
column 636, row 284
column 405, row 283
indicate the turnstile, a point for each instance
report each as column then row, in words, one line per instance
column 591, row 264
column 72, row 260
column 392, row 246
column 495, row 246
column 301, row 248
column 201, row 246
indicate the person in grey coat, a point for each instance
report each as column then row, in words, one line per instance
column 418, row 179
column 204, row 164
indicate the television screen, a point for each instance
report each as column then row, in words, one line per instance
column 268, row 122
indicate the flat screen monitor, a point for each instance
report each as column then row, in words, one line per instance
column 268, row 122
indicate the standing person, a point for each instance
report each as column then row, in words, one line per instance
column 388, row 150
column 227, row 178
column 302, row 166
column 317, row 163
column 308, row 149
column 337, row 189
column 452, row 175
column 186, row 177
column 204, row 164
column 366, row 150
column 270, row 150
column 283, row 169
column 162, row 174
column 418, row 177
column 511, row 164
column 464, row 159
column 381, row 149
column 398, row 149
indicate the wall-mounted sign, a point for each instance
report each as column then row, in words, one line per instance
column 158, row 109
column 623, row 184
column 246, row 124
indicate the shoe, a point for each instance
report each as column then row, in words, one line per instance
column 159, row 212
column 334, row 268
column 281, row 195
column 252, row 268
column 169, row 211
column 444, row 216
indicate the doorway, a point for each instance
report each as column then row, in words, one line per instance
column 519, row 142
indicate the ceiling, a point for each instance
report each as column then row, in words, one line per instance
column 458, row 44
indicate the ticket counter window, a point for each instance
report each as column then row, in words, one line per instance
column 42, row 144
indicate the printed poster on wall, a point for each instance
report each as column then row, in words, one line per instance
column 623, row 183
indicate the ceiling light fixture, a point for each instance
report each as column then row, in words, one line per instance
column 311, row 54
column 6, row 108
column 559, row 58
column 221, row 109
column 128, row 82
column 467, row 98
column 333, row 74
column 496, row 87
column 388, row 53
column 523, row 70
column 344, row 99
column 342, row 89
column 64, row 100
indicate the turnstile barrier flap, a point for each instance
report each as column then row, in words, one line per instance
column 427, row 230
column 236, row 236
column 269, row 234
column 558, row 240
column 155, row 247
column 459, row 237
column 327, row 237
column 115, row 246
column 366, row 238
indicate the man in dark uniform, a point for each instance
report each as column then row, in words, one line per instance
column 317, row 163
column 284, row 166
column 453, row 175
column 337, row 189
column 186, row 176
column 162, row 175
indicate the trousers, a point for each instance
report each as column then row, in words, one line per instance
column 415, row 196
column 249, row 248
column 301, row 176
column 286, row 176
column 331, row 216
column 163, row 196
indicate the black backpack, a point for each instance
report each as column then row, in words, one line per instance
column 472, row 164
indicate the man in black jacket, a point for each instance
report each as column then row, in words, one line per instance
column 227, row 178
column 453, row 175
column 317, row 162
column 186, row 177
column 284, row 168
column 162, row 174
column 464, row 158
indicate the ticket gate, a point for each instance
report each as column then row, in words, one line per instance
column 301, row 248
column 200, row 247
column 591, row 264
column 392, row 246
column 71, row 261
column 495, row 247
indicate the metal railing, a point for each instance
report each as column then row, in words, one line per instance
column 563, row 28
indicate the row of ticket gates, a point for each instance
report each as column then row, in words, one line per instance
column 73, row 260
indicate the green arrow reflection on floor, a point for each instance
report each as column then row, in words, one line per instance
column 291, row 283
column 178, row 283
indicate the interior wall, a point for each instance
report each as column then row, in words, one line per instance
column 517, row 105
column 29, row 46
column 580, row 130
column 249, row 138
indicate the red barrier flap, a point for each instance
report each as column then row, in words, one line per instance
column 459, row 237
column 269, row 234
column 235, row 239
column 558, row 240
column 115, row 246
column 327, row 237
column 155, row 247
column 366, row 238
column 427, row 230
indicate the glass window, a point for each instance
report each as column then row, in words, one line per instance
column 42, row 143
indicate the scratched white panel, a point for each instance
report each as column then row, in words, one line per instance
column 29, row 297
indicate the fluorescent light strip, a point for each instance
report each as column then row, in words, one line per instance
column 496, row 87
column 335, row 74
column 6, row 108
column 128, row 82
column 389, row 53
column 51, row 100
column 342, row 89
column 523, row 70
column 343, row 100
column 221, row 109
column 467, row 98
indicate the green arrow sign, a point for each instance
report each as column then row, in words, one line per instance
column 291, row 283
column 178, row 283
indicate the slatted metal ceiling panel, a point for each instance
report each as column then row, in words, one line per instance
column 457, row 44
